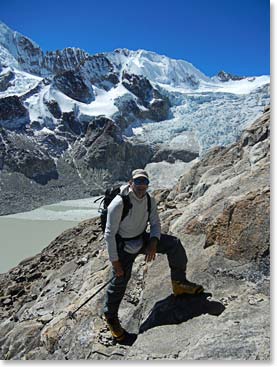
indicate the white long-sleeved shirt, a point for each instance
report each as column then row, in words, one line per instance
column 133, row 224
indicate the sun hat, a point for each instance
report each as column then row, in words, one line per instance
column 139, row 173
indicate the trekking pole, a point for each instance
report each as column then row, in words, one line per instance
column 71, row 314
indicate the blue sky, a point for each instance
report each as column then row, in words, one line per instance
column 230, row 35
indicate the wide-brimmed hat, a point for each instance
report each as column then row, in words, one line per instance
column 139, row 173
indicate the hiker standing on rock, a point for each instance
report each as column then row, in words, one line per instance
column 126, row 237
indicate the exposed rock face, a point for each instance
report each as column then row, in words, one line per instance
column 54, row 108
column 100, row 71
column 242, row 222
column 29, row 54
column 5, row 80
column 12, row 113
column 225, row 77
column 157, row 105
column 20, row 155
column 139, row 86
column 220, row 211
column 104, row 150
column 64, row 60
column 74, row 85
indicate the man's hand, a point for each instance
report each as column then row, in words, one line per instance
column 151, row 250
column 118, row 268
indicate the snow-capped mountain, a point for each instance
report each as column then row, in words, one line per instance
column 90, row 119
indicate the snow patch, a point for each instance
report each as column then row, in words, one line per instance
column 21, row 83
column 102, row 105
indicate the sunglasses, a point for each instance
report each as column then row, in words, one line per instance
column 141, row 181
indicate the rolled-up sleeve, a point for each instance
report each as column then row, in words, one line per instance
column 113, row 221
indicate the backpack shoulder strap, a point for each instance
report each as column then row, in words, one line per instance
column 148, row 205
column 127, row 205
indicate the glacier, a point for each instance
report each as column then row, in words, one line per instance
column 152, row 99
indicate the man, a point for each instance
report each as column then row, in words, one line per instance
column 127, row 238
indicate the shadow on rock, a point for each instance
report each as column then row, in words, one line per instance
column 128, row 340
column 174, row 310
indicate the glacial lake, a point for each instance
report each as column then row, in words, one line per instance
column 25, row 234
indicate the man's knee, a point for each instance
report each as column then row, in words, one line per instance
column 169, row 242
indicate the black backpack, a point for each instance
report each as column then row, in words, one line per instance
column 110, row 194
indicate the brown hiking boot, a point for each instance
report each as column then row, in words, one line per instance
column 186, row 287
column 115, row 328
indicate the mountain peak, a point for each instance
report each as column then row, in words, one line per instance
column 157, row 68
column 11, row 39
column 23, row 49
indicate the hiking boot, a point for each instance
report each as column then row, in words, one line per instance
column 186, row 287
column 115, row 328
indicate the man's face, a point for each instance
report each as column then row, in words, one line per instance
column 140, row 186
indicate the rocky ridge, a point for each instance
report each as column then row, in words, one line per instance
column 220, row 210
column 225, row 77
